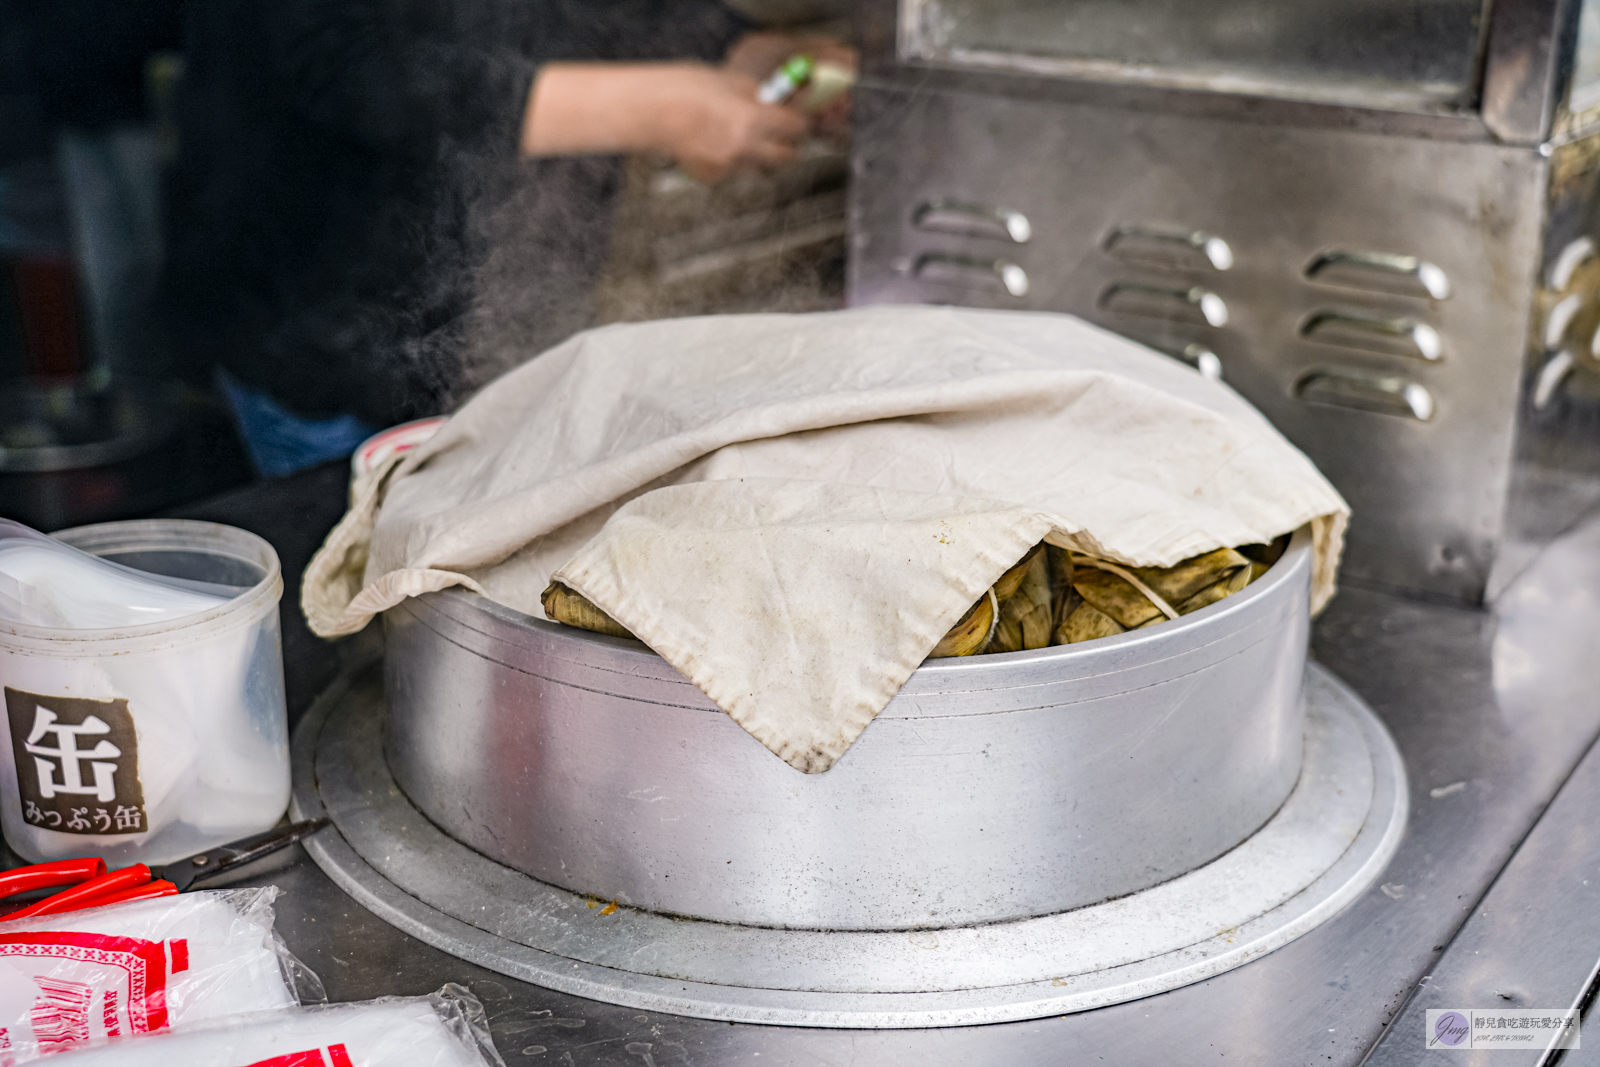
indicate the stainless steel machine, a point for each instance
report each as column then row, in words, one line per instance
column 1375, row 219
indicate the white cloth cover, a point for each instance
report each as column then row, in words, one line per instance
column 799, row 506
column 128, row 969
column 432, row 1031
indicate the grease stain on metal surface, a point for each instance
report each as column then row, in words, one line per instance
column 522, row 1025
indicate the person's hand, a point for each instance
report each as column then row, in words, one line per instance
column 706, row 118
column 760, row 54
column 712, row 124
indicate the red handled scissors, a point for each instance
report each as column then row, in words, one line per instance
column 93, row 887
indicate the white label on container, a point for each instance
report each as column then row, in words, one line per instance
column 77, row 764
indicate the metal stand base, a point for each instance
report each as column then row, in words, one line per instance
column 1328, row 842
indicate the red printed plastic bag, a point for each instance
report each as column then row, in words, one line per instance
column 67, row 980
column 446, row 1029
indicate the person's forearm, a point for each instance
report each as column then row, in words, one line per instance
column 706, row 118
column 578, row 108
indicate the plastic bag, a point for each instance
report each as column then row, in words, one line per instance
column 71, row 979
column 46, row 583
column 444, row 1029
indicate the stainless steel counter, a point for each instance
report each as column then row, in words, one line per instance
column 1492, row 710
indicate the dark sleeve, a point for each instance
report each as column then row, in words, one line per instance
column 404, row 77
column 655, row 29
column 407, row 75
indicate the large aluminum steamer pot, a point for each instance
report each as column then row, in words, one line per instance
column 991, row 788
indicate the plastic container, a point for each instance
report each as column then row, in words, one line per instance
column 189, row 747
column 380, row 447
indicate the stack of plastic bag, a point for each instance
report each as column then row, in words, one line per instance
column 72, row 979
column 202, row 979
column 446, row 1029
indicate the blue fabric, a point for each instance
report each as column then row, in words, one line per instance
column 281, row 442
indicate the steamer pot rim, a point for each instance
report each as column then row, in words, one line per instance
column 1292, row 566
